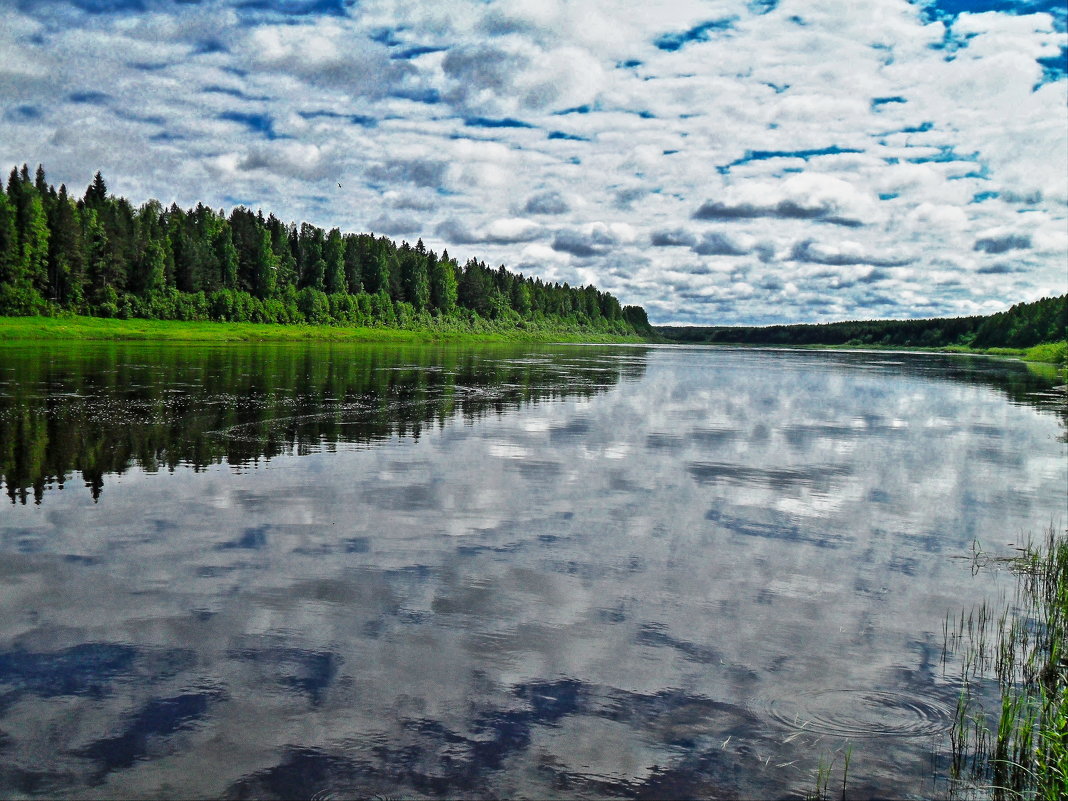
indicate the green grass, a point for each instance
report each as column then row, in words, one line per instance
column 37, row 329
column 1052, row 353
column 1019, row 749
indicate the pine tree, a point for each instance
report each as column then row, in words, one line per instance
column 10, row 252
column 311, row 264
column 472, row 291
column 99, row 272
column 443, row 285
column 96, row 193
column 35, row 243
column 155, row 269
column 352, row 263
column 286, row 275
column 226, row 254
column 415, row 284
column 264, row 266
column 66, row 262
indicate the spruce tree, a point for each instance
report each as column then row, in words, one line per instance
column 334, row 259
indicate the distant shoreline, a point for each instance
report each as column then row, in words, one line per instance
column 1050, row 353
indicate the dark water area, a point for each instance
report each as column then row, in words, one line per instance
column 339, row 571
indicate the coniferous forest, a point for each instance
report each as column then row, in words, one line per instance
column 97, row 255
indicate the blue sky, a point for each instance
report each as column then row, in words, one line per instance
column 717, row 162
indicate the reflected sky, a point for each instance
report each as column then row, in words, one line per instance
column 624, row 572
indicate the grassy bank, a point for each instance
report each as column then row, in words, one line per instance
column 37, row 329
column 1049, row 353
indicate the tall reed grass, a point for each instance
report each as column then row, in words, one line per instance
column 1017, row 747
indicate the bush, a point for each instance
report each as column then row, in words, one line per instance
column 314, row 306
column 21, row 301
column 1053, row 352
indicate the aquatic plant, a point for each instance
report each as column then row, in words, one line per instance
column 1018, row 748
column 824, row 771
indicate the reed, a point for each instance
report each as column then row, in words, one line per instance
column 825, row 771
column 1019, row 748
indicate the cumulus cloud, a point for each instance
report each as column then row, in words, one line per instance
column 843, row 252
column 325, row 53
column 502, row 231
column 800, row 197
column 1000, row 243
column 715, row 243
column 421, row 172
column 676, row 237
column 593, row 239
column 286, row 158
column 551, row 202
column 399, row 225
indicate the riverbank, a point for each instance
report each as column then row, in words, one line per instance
column 75, row 328
column 1048, row 353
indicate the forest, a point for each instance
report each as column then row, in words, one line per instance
column 99, row 256
column 1022, row 326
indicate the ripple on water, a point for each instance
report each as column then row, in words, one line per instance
column 861, row 713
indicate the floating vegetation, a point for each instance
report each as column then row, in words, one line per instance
column 1016, row 746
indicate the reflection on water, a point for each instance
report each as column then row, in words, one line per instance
column 340, row 571
column 102, row 409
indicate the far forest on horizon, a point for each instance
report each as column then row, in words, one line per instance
column 99, row 256
column 1022, row 326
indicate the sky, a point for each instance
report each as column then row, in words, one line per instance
column 718, row 162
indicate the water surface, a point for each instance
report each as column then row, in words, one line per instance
column 340, row 571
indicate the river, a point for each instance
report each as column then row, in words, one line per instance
column 344, row 571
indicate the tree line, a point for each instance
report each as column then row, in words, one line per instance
column 1022, row 326
column 98, row 255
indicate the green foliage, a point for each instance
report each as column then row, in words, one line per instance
column 21, row 300
column 443, row 286
column 1025, row 325
column 10, row 253
column 314, row 306
column 415, row 282
column 1052, row 353
column 334, row 258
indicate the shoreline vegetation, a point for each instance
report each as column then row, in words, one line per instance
column 1016, row 745
column 75, row 328
column 69, row 327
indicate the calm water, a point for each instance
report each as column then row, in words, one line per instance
column 336, row 572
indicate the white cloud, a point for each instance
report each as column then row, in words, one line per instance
column 501, row 231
